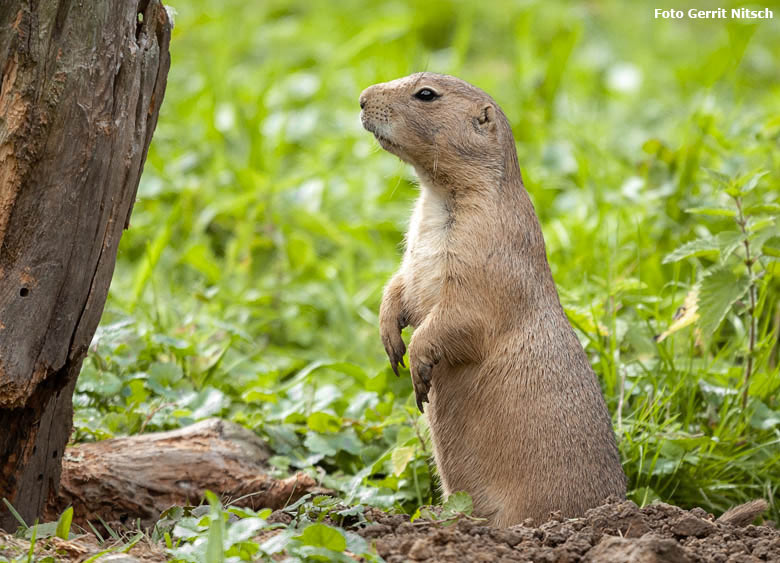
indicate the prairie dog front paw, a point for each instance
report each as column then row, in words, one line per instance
column 390, row 331
column 422, row 359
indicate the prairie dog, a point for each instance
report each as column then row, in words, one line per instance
column 516, row 413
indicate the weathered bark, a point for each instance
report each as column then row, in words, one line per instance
column 81, row 85
column 139, row 477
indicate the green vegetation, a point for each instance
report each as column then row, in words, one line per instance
column 267, row 222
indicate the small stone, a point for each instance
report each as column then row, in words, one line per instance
column 383, row 548
column 509, row 536
column 556, row 516
column 406, row 546
column 376, row 531
column 701, row 513
column 742, row 558
column 443, row 537
column 420, row 550
column 689, row 525
column 580, row 542
column 622, row 518
column 647, row 549
column 563, row 555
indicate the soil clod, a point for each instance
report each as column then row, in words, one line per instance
column 615, row 531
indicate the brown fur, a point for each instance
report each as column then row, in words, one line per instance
column 516, row 414
column 744, row 514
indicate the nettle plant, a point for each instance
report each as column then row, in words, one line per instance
column 743, row 244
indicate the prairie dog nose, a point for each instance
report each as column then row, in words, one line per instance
column 365, row 94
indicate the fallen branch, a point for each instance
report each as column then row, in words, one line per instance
column 138, row 477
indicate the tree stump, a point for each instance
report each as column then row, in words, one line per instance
column 81, row 85
column 138, row 477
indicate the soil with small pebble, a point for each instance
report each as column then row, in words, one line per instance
column 616, row 531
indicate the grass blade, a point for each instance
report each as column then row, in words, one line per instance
column 15, row 514
column 63, row 523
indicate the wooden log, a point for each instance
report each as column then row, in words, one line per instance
column 81, row 85
column 139, row 477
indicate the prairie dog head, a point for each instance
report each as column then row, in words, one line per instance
column 449, row 130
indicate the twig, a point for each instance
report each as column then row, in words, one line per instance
column 153, row 412
column 752, row 311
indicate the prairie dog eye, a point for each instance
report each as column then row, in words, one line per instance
column 426, row 95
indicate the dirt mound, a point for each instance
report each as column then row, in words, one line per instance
column 617, row 531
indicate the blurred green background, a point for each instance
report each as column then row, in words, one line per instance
column 267, row 222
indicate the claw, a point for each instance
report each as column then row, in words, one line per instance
column 395, row 367
column 421, row 397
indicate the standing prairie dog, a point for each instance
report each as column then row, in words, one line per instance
column 516, row 414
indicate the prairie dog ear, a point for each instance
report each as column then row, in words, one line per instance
column 485, row 122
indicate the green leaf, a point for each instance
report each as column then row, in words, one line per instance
column 401, row 458
column 244, row 530
column 215, row 552
column 644, row 496
column 664, row 466
column 99, row 555
column 712, row 211
column 331, row 444
column 764, row 418
column 723, row 243
column 129, row 545
column 752, row 182
column 300, row 251
column 200, row 257
column 277, row 543
column 320, row 535
column 356, row 544
column 63, row 523
column 33, row 537
column 166, row 374
column 46, row 530
column 323, row 422
column 719, row 177
column 763, row 208
column 772, row 247
column 718, row 292
column 208, row 402
column 15, row 514
column 259, row 395
column 458, row 503
column 758, row 224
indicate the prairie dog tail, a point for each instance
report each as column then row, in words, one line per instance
column 744, row 514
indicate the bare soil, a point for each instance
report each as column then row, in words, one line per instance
column 617, row 531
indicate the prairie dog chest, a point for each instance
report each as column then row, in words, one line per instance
column 424, row 263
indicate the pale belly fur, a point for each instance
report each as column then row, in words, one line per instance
column 423, row 266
